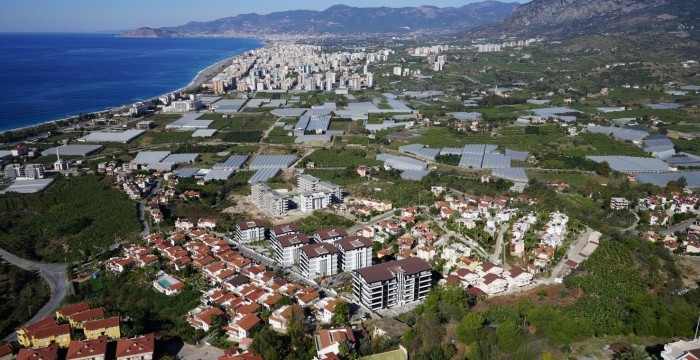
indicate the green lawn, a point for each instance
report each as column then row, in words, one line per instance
column 389, row 355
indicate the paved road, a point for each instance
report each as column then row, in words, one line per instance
column 574, row 249
column 55, row 276
column 467, row 240
column 495, row 257
column 142, row 209
column 373, row 220
column 680, row 227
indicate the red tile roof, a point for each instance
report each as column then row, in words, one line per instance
column 51, row 331
column 102, row 324
column 74, row 309
column 85, row 348
column 46, row 353
column 88, row 315
column 136, row 346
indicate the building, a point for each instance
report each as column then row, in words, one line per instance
column 310, row 201
column 249, row 231
column 329, row 235
column 138, row 348
column 287, row 247
column 318, row 260
column 59, row 334
column 240, row 327
column 355, row 253
column 95, row 349
column 681, row 350
column 6, row 352
column 307, row 183
column 107, row 327
column 284, row 229
column 328, row 341
column 49, row 352
column 268, row 200
column 30, row 171
column 619, row 203
column 393, row 283
column 138, row 109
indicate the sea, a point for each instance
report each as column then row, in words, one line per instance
column 45, row 77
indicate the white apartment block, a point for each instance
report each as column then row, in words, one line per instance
column 617, row 203
column 31, row 171
column 329, row 235
column 249, row 231
column 307, row 183
column 268, row 200
column 393, row 283
column 284, row 229
column 355, row 253
column 310, row 201
column 288, row 247
column 318, row 260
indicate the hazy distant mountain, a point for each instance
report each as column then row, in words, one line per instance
column 561, row 18
column 341, row 19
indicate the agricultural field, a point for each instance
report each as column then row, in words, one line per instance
column 20, row 290
column 278, row 135
column 166, row 137
column 342, row 157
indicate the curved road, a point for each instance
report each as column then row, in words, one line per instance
column 55, row 276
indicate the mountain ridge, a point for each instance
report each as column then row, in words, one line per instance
column 343, row 20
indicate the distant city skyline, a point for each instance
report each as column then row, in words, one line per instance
column 94, row 16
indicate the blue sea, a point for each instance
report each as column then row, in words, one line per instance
column 51, row 76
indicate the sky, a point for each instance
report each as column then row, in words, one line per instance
column 108, row 15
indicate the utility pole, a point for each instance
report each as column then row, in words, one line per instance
column 696, row 329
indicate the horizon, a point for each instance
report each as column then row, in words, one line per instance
column 90, row 17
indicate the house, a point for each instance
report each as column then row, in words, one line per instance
column 249, row 231
column 184, row 224
column 6, row 352
column 201, row 317
column 230, row 354
column 328, row 341
column 138, row 348
column 77, row 320
column 318, row 260
column 107, row 327
column 325, row 309
column 392, row 283
column 49, row 352
column 355, row 253
column 206, row 223
column 329, row 235
column 44, row 333
column 287, row 248
column 657, row 218
column 493, row 284
column 618, row 203
column 488, row 267
column 279, row 318
column 518, row 277
column 167, row 284
column 681, row 350
column 426, row 252
column 69, row 310
column 95, row 349
column 240, row 326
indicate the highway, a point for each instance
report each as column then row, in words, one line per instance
column 54, row 274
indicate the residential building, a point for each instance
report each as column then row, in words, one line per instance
column 240, row 326
column 49, row 352
column 268, row 200
column 6, row 352
column 393, row 283
column 328, row 341
column 308, row 183
column 107, row 327
column 30, row 171
column 77, row 320
column 138, row 348
column 279, row 318
column 95, row 349
column 249, row 231
column 310, row 201
column 318, row 260
column 355, row 253
column 60, row 335
column 287, row 248
column 67, row 311
column 617, row 203
column 285, row 229
column 329, row 235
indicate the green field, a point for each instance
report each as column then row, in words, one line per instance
column 390, row 355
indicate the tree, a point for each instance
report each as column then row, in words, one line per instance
column 341, row 314
column 510, row 337
column 468, row 329
column 269, row 344
column 635, row 353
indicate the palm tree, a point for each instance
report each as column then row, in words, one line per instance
column 637, row 352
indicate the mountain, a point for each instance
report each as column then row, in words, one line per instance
column 563, row 18
column 342, row 19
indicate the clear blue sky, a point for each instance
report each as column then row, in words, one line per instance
column 101, row 15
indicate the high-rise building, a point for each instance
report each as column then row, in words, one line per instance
column 393, row 283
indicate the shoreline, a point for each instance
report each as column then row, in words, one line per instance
column 200, row 78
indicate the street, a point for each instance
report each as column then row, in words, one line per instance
column 54, row 274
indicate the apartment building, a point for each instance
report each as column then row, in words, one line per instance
column 249, row 231
column 318, row 260
column 310, row 201
column 287, row 248
column 284, row 229
column 355, row 253
column 329, row 235
column 311, row 184
column 269, row 201
column 393, row 283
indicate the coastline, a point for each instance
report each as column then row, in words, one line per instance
column 200, row 78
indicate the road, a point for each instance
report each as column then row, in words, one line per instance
column 574, row 249
column 373, row 220
column 499, row 244
column 55, row 276
column 448, row 233
column 680, row 227
column 142, row 209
